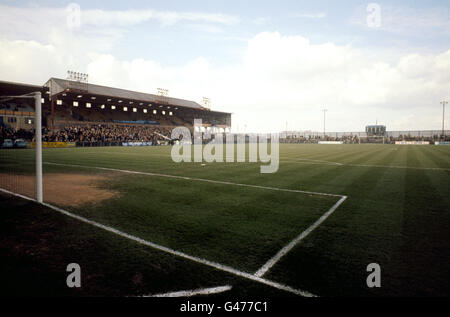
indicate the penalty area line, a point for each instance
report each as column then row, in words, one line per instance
column 195, row 292
column 269, row 264
column 196, row 179
column 215, row 265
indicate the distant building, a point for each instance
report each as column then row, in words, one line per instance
column 376, row 130
column 74, row 102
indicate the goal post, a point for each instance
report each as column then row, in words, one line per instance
column 38, row 142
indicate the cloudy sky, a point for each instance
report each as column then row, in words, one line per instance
column 270, row 63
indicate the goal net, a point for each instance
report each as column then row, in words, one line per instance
column 21, row 145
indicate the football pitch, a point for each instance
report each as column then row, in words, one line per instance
column 140, row 224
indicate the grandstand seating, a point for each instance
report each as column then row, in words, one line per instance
column 148, row 117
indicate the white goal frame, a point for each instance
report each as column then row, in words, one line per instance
column 38, row 142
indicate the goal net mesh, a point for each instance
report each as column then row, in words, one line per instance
column 17, row 145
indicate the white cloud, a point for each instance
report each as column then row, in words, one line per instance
column 205, row 28
column 311, row 15
column 28, row 61
column 132, row 17
column 286, row 78
column 261, row 20
column 38, row 23
column 278, row 79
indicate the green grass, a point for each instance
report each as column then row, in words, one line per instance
column 397, row 214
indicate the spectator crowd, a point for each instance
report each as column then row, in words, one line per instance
column 14, row 134
column 105, row 133
column 356, row 138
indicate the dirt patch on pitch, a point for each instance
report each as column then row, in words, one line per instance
column 60, row 189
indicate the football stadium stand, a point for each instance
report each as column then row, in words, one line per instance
column 93, row 115
column 99, row 115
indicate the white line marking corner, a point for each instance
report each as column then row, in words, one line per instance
column 195, row 292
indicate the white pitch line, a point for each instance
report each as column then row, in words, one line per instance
column 197, row 179
column 316, row 161
column 402, row 167
column 204, row 291
column 149, row 155
column 283, row 251
column 367, row 165
column 299, row 161
column 269, row 264
column 309, row 163
column 124, row 153
column 215, row 265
